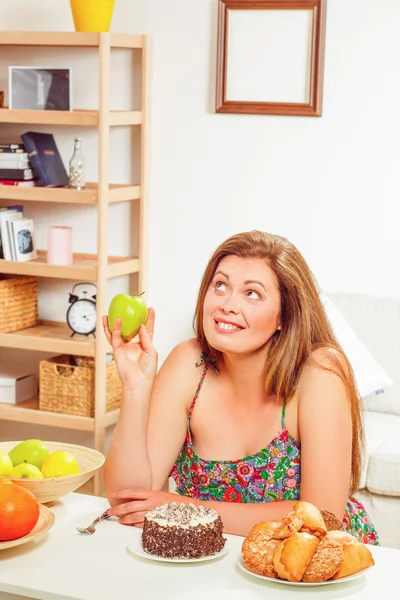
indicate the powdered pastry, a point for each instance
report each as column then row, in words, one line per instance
column 182, row 531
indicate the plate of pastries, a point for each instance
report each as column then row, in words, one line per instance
column 307, row 547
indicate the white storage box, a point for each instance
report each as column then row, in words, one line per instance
column 16, row 384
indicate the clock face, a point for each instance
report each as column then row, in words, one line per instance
column 81, row 316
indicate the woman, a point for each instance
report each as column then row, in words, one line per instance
column 258, row 410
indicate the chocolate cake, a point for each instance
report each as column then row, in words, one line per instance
column 182, row 531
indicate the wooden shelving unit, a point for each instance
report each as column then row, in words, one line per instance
column 55, row 337
column 90, row 195
column 83, row 269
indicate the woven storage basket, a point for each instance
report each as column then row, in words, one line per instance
column 65, row 387
column 18, row 302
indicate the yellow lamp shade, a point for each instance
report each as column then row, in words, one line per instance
column 92, row 15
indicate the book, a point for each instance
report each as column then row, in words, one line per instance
column 14, row 164
column 27, row 183
column 9, row 214
column 4, row 212
column 23, row 239
column 10, row 235
column 6, row 157
column 14, row 148
column 45, row 159
column 16, row 174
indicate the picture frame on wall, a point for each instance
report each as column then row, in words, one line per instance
column 40, row 88
column 270, row 56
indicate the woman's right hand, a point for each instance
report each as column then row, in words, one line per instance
column 136, row 361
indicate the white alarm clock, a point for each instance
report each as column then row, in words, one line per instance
column 81, row 315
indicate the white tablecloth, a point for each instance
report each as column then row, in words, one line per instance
column 66, row 565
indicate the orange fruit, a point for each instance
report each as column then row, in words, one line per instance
column 19, row 510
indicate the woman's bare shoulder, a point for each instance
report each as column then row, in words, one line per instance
column 183, row 358
column 188, row 351
column 325, row 358
column 178, row 375
column 326, row 366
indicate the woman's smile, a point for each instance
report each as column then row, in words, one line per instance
column 224, row 326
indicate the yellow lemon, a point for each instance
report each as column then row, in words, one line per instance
column 59, row 464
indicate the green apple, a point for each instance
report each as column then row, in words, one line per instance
column 25, row 471
column 30, row 451
column 132, row 310
column 6, row 464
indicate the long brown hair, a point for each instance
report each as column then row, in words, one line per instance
column 304, row 326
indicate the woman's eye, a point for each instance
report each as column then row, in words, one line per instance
column 220, row 285
column 253, row 295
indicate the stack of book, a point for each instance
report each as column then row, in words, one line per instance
column 17, row 240
column 15, row 168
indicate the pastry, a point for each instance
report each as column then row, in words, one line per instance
column 331, row 520
column 313, row 521
column 291, row 523
column 258, row 549
column 293, row 555
column 325, row 562
column 305, row 518
column 356, row 556
column 268, row 527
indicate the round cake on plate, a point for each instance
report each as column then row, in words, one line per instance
column 182, row 531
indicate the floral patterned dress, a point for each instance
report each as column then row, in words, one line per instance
column 272, row 474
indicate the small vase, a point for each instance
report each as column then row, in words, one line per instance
column 92, row 15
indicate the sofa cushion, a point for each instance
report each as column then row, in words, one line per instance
column 369, row 373
column 376, row 321
column 381, row 474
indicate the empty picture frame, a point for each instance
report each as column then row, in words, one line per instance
column 270, row 57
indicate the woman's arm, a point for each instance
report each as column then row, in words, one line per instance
column 237, row 518
column 173, row 391
column 152, row 425
column 127, row 461
column 326, row 435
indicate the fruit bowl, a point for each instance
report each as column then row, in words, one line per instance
column 52, row 488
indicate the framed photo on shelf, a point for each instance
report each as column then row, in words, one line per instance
column 22, row 235
column 40, row 88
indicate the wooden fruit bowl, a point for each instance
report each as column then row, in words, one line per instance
column 49, row 490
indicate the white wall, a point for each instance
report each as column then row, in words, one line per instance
column 330, row 184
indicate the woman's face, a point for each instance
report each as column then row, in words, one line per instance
column 242, row 305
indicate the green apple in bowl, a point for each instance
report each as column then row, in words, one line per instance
column 6, row 464
column 30, row 451
column 132, row 310
column 25, row 471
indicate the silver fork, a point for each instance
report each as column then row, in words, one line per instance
column 92, row 528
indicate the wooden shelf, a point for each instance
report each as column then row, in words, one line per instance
column 28, row 412
column 67, row 38
column 49, row 336
column 65, row 195
column 79, row 118
column 84, row 267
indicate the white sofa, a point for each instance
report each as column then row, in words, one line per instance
column 376, row 321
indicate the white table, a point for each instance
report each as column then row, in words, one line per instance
column 66, row 565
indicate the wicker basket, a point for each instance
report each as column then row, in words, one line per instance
column 65, row 387
column 18, row 302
